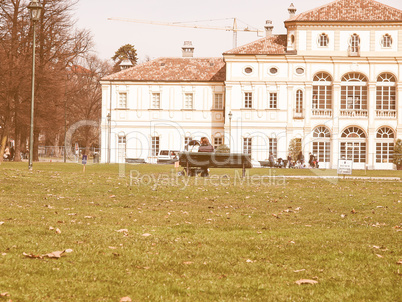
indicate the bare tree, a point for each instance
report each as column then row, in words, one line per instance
column 58, row 44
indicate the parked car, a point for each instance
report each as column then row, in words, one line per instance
column 167, row 156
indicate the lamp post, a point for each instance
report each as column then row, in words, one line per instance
column 35, row 8
column 230, row 130
column 109, row 137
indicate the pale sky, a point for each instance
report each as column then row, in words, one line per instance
column 166, row 41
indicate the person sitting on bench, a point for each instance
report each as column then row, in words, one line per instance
column 205, row 147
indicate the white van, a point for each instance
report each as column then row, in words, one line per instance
column 167, row 156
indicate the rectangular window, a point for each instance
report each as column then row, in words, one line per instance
column 122, row 101
column 273, row 147
column 386, row 98
column 121, row 148
column 384, row 152
column 218, row 101
column 247, row 141
column 187, row 139
column 188, row 101
column 273, row 100
column 322, row 97
column 217, row 142
column 355, row 151
column 155, row 145
column 354, row 97
column 248, row 100
column 322, row 151
column 156, row 100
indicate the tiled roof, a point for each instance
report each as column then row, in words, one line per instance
column 174, row 70
column 351, row 10
column 274, row 45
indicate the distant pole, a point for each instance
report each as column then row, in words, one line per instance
column 65, row 127
column 35, row 9
column 230, row 131
column 234, row 32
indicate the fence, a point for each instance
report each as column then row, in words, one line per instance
column 56, row 153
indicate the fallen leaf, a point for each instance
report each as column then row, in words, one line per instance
column 56, row 254
column 146, row 235
column 122, row 231
column 1, row 222
column 88, row 217
column 306, row 281
column 112, row 247
column 125, row 299
column 299, row 270
column 4, row 295
column 58, row 231
column 32, row 255
column 51, row 228
column 112, row 196
column 379, row 256
column 250, row 261
column 187, row 262
column 399, row 262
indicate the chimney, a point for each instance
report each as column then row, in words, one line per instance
column 268, row 28
column 188, row 49
column 126, row 63
column 292, row 11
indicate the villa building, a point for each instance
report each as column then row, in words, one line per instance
column 333, row 83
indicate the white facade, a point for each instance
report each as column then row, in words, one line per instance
column 335, row 86
column 158, row 116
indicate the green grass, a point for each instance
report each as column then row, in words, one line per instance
column 210, row 241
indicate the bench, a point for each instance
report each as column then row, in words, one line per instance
column 135, row 160
column 192, row 162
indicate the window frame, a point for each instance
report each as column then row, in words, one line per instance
column 386, row 41
column 273, row 100
column 323, row 40
column 156, row 101
column 189, row 100
column 155, row 146
column 248, row 99
column 247, row 145
column 120, row 104
column 218, row 101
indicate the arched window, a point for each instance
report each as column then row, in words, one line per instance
column 322, row 94
column 354, row 95
column 386, row 95
column 385, row 132
column 354, row 44
column 322, row 144
column 386, row 41
column 353, row 132
column 321, row 131
column 385, row 145
column 353, row 145
column 323, row 40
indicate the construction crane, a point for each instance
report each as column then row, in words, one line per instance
column 234, row 28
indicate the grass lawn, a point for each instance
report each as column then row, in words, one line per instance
column 159, row 237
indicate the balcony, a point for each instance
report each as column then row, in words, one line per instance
column 354, row 113
column 321, row 112
column 298, row 113
column 385, row 113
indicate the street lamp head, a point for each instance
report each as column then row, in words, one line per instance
column 35, row 8
column 230, row 114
